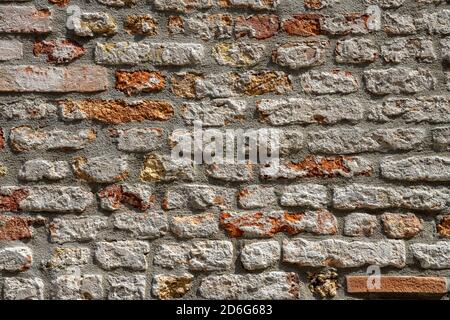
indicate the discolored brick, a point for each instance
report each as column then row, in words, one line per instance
column 266, row 224
column 132, row 82
column 116, row 111
column 59, row 50
column 257, row 26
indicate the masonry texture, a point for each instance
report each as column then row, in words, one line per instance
column 92, row 206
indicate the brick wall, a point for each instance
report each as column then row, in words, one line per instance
column 92, row 206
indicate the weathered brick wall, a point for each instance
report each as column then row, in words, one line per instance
column 93, row 207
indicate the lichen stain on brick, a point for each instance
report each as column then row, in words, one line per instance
column 79, row 162
column 174, row 287
column 306, row 24
column 324, row 167
column 355, row 17
column 313, row 4
column 18, row 228
column 118, row 196
column 3, row 170
column 258, row 26
column 443, row 228
column 59, row 51
column 11, row 202
column 153, row 169
column 192, row 220
column 175, row 24
column 42, row 13
column 294, row 281
column 183, row 85
column 60, row 3
column 131, row 82
column 140, row 24
column 324, row 283
column 119, row 111
column 268, row 82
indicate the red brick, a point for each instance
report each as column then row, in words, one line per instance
column 131, row 82
column 257, row 26
column 17, row 228
column 305, row 24
column 2, row 139
column 443, row 227
column 399, row 284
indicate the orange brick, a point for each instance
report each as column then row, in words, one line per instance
column 399, row 284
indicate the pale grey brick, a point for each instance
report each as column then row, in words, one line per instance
column 399, row 80
column 102, row 169
column 214, row 113
column 23, row 289
column 25, row 138
column 260, row 255
column 73, row 229
column 445, row 49
column 398, row 23
column 416, row 168
column 15, row 259
column 441, row 138
column 207, row 255
column 271, row 285
column 230, row 172
column 358, row 224
column 356, row 50
column 400, row 49
column 329, row 82
column 130, row 254
column 40, row 169
column 199, row 197
column 10, row 50
column 139, row 139
column 297, row 55
column 146, row 225
column 182, row 5
column 432, row 256
column 239, row 54
column 195, row 226
column 51, row 198
column 126, row 287
column 359, row 196
column 325, row 110
column 27, row 109
column 386, row 4
column 344, row 254
column 433, row 109
column 437, row 22
column 356, row 140
column 305, row 195
column 257, row 196
column 158, row 54
column 78, row 287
